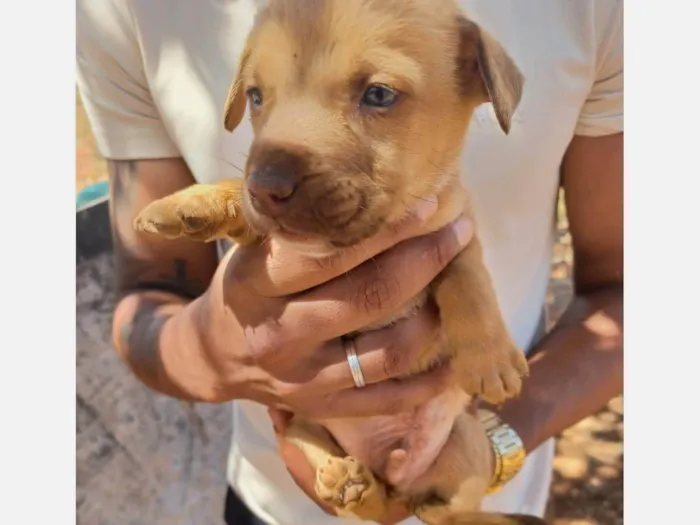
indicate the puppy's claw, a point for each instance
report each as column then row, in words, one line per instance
column 142, row 225
column 158, row 218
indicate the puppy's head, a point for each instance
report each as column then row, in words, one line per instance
column 359, row 108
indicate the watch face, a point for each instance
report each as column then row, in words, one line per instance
column 507, row 446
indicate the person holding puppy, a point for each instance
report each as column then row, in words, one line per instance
column 153, row 84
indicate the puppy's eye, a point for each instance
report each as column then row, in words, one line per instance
column 254, row 96
column 379, row 96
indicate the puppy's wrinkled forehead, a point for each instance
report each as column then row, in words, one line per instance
column 304, row 45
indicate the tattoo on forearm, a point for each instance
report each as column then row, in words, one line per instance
column 180, row 281
column 139, row 340
column 134, row 273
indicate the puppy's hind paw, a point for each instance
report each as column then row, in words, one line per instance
column 351, row 488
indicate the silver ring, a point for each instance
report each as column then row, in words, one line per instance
column 354, row 362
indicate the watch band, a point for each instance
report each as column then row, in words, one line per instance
column 507, row 446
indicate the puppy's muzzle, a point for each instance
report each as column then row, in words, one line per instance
column 305, row 194
column 274, row 180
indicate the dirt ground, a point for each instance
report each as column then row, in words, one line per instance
column 588, row 484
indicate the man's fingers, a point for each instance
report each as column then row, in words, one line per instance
column 383, row 354
column 280, row 420
column 376, row 289
column 389, row 397
column 288, row 271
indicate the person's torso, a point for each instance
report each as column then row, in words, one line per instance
column 190, row 50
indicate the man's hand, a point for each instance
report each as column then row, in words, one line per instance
column 305, row 477
column 270, row 324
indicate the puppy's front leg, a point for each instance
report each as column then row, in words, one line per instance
column 201, row 212
column 486, row 360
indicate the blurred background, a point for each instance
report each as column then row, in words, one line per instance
column 142, row 460
column 90, row 167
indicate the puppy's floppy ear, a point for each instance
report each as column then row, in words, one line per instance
column 236, row 98
column 484, row 67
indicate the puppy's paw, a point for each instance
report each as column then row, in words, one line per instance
column 351, row 488
column 495, row 375
column 200, row 213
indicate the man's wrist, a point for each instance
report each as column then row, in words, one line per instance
column 157, row 337
column 513, row 415
column 507, row 449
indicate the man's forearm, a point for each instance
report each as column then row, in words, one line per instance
column 154, row 329
column 155, row 335
column 575, row 370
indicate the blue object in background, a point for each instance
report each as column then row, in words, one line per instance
column 92, row 193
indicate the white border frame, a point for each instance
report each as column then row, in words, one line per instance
column 38, row 225
column 37, row 262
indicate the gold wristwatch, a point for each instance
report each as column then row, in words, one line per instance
column 507, row 448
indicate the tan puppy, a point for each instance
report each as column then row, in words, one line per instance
column 360, row 108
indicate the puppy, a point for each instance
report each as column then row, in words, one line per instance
column 359, row 108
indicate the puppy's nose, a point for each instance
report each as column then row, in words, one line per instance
column 271, row 188
column 276, row 172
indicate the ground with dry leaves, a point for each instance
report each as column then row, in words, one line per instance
column 587, row 488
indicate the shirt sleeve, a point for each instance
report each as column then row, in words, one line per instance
column 602, row 113
column 113, row 85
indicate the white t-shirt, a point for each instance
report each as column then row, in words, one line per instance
column 154, row 74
